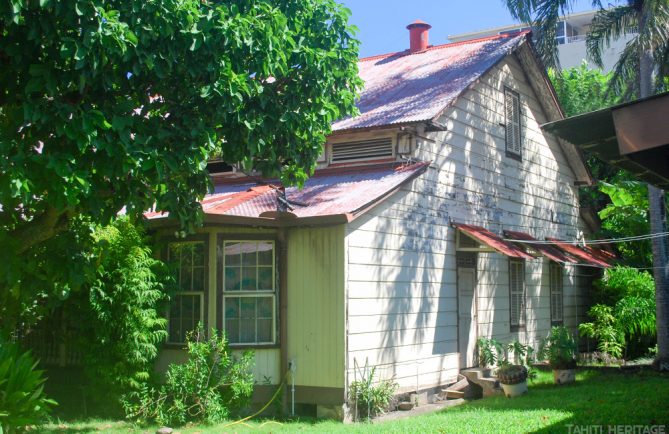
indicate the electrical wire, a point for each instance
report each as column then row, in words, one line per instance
column 592, row 242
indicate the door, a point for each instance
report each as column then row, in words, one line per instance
column 467, row 316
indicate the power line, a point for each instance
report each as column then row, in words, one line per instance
column 591, row 242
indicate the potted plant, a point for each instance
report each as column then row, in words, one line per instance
column 560, row 349
column 513, row 379
column 513, row 376
column 489, row 351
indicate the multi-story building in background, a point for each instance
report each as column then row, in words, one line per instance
column 570, row 36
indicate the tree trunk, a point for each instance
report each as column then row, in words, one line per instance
column 658, row 223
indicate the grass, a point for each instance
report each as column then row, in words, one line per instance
column 597, row 398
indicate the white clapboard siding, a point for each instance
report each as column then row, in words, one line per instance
column 401, row 270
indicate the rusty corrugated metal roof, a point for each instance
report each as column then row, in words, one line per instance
column 403, row 88
column 589, row 255
column 490, row 239
column 329, row 192
column 548, row 251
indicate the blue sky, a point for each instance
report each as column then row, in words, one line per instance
column 382, row 23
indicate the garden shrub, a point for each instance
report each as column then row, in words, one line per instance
column 22, row 399
column 624, row 316
column 369, row 398
column 212, row 385
column 605, row 329
column 117, row 316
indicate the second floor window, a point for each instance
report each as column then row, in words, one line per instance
column 512, row 123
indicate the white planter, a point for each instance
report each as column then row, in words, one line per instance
column 564, row 376
column 513, row 390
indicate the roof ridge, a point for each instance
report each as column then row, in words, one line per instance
column 447, row 45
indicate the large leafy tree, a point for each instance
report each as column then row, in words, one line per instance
column 118, row 104
column 641, row 70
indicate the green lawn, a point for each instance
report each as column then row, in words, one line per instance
column 596, row 399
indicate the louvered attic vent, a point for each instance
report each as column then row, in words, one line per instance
column 362, row 150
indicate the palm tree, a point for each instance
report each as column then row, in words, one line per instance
column 645, row 55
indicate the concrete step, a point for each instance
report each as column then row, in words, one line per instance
column 455, row 394
column 489, row 385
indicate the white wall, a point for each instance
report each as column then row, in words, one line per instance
column 401, row 279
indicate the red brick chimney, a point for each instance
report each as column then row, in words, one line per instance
column 418, row 31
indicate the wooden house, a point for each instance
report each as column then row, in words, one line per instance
column 397, row 253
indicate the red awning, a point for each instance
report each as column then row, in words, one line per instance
column 493, row 241
column 548, row 251
column 589, row 255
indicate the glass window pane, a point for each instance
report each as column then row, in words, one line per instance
column 186, row 279
column 264, row 330
column 265, row 307
column 249, row 254
column 247, row 331
column 232, row 278
column 232, row 253
column 249, row 281
column 231, row 307
column 198, row 279
column 198, row 254
column 187, row 255
column 265, row 278
column 232, row 330
column 265, row 250
column 248, row 307
column 197, row 308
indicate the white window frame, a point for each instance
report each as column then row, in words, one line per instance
column 513, row 135
column 556, row 283
column 200, row 293
column 259, row 293
column 517, row 266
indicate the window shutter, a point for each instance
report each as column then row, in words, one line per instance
column 517, row 293
column 362, row 150
column 512, row 122
column 556, row 287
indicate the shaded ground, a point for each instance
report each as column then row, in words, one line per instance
column 598, row 398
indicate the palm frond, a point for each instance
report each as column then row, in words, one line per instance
column 607, row 26
column 546, row 19
column 654, row 36
column 625, row 79
column 521, row 9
